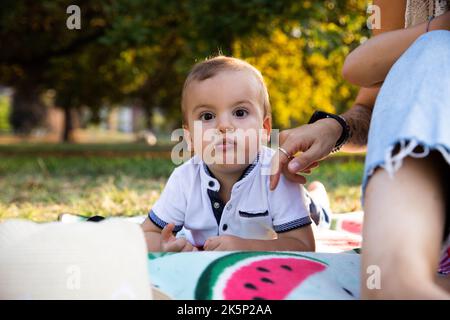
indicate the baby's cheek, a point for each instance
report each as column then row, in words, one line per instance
column 201, row 140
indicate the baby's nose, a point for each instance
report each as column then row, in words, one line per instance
column 225, row 125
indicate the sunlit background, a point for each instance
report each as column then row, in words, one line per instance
column 86, row 114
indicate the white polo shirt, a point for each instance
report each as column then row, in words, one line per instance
column 191, row 201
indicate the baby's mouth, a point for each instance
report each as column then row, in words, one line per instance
column 224, row 145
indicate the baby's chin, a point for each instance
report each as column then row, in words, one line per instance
column 228, row 168
column 233, row 165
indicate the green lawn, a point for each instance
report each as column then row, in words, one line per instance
column 27, row 148
column 40, row 188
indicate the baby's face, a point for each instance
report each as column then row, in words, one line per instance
column 229, row 110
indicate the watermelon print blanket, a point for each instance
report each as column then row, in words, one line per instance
column 330, row 273
column 255, row 275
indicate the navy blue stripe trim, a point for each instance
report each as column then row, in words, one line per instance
column 214, row 198
column 208, row 172
column 159, row 222
column 250, row 168
column 255, row 214
column 292, row 225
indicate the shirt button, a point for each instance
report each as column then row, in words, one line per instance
column 225, row 227
column 216, row 205
column 211, row 184
column 229, row 206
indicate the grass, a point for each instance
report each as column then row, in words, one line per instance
column 343, row 183
column 20, row 148
column 41, row 188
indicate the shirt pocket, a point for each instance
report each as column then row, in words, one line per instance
column 256, row 224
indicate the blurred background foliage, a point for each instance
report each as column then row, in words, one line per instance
column 139, row 52
column 136, row 54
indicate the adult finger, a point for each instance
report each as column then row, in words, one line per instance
column 293, row 177
column 278, row 162
column 292, row 142
column 306, row 159
column 313, row 165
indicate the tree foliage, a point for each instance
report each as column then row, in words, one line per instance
column 139, row 51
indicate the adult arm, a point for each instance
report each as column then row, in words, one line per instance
column 316, row 141
column 368, row 65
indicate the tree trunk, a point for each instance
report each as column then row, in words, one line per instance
column 68, row 125
column 148, row 118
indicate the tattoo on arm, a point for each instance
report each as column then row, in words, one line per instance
column 358, row 118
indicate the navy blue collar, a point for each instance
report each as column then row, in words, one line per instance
column 217, row 204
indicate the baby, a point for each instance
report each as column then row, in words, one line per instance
column 220, row 198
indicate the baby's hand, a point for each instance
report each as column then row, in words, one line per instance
column 169, row 243
column 224, row 243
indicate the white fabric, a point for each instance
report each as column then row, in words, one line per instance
column 418, row 11
column 83, row 260
column 185, row 202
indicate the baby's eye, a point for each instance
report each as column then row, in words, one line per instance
column 206, row 116
column 240, row 113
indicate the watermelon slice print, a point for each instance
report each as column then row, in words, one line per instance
column 255, row 276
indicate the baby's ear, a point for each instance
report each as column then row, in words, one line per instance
column 267, row 125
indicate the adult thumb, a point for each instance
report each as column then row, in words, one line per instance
column 305, row 159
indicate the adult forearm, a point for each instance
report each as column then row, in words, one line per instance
column 368, row 65
column 358, row 118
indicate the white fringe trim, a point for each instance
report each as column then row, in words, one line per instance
column 407, row 145
column 393, row 162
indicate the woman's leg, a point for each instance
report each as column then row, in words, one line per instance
column 403, row 230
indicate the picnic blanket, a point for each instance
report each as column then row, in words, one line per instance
column 331, row 273
column 255, row 275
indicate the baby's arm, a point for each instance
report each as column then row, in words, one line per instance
column 164, row 240
column 300, row 239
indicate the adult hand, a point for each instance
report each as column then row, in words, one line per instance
column 223, row 243
column 169, row 243
column 315, row 141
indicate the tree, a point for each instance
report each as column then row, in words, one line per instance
column 33, row 40
column 301, row 60
column 82, row 65
column 141, row 51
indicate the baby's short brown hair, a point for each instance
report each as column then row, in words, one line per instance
column 212, row 66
